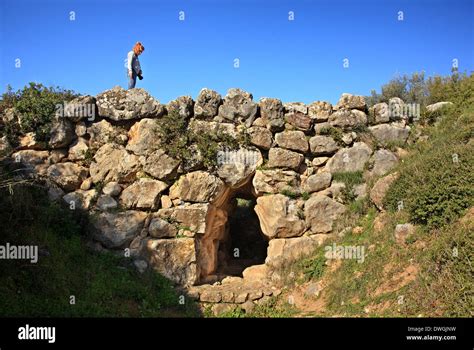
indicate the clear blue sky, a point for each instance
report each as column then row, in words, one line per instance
column 300, row 60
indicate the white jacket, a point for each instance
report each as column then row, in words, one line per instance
column 133, row 63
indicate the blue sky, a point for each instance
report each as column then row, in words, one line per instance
column 299, row 60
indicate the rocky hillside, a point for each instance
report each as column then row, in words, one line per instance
column 169, row 185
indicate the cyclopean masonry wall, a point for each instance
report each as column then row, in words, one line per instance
column 107, row 159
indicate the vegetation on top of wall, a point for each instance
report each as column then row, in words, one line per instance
column 417, row 88
column 178, row 140
column 36, row 107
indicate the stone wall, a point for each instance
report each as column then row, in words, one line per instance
column 108, row 160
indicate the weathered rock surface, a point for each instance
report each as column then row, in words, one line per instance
column 143, row 194
column 282, row 158
column 175, row 259
column 386, row 134
column 350, row 159
column 322, row 145
column 347, row 119
column 207, row 104
column 198, row 186
column 279, row 216
column 275, row 181
column 383, row 161
column 378, row 192
column 183, row 106
column 120, row 104
column 317, row 182
column 143, row 137
column 349, row 101
column 292, row 140
column 320, row 111
column 116, row 230
column 238, row 106
column 161, row 166
column 260, row 137
column 68, row 176
column 114, row 163
column 321, row 212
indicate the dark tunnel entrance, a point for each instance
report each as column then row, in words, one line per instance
column 245, row 244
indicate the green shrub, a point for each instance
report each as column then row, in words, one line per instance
column 177, row 139
column 435, row 182
column 36, row 105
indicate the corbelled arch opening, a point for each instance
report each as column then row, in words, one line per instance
column 234, row 240
column 245, row 244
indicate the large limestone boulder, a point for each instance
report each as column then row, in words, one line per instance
column 114, row 163
column 272, row 112
column 236, row 167
column 275, row 181
column 282, row 251
column 381, row 113
column 437, row 106
column 207, row 104
column 143, row 194
column 161, row 166
column 349, row 101
column 175, row 259
column 238, row 106
column 68, row 176
column 32, row 160
column 396, row 108
column 292, row 140
column 117, row 230
column 80, row 199
column 350, row 159
column 160, row 228
column 120, row 104
column 317, row 182
column 387, row 133
column 78, row 150
column 260, row 137
column 383, row 161
column 188, row 217
column 279, row 216
column 143, row 137
column 103, row 132
column 300, row 121
column 62, row 133
column 321, row 212
column 295, row 107
column 79, row 108
column 322, row 145
column 282, row 158
column 30, row 141
column 320, row 111
column 378, row 192
column 197, row 186
column 347, row 119
column 183, row 106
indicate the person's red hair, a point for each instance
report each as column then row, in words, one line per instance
column 138, row 48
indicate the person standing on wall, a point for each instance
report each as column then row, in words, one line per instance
column 133, row 65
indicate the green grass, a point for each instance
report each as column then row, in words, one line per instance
column 437, row 192
column 103, row 284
